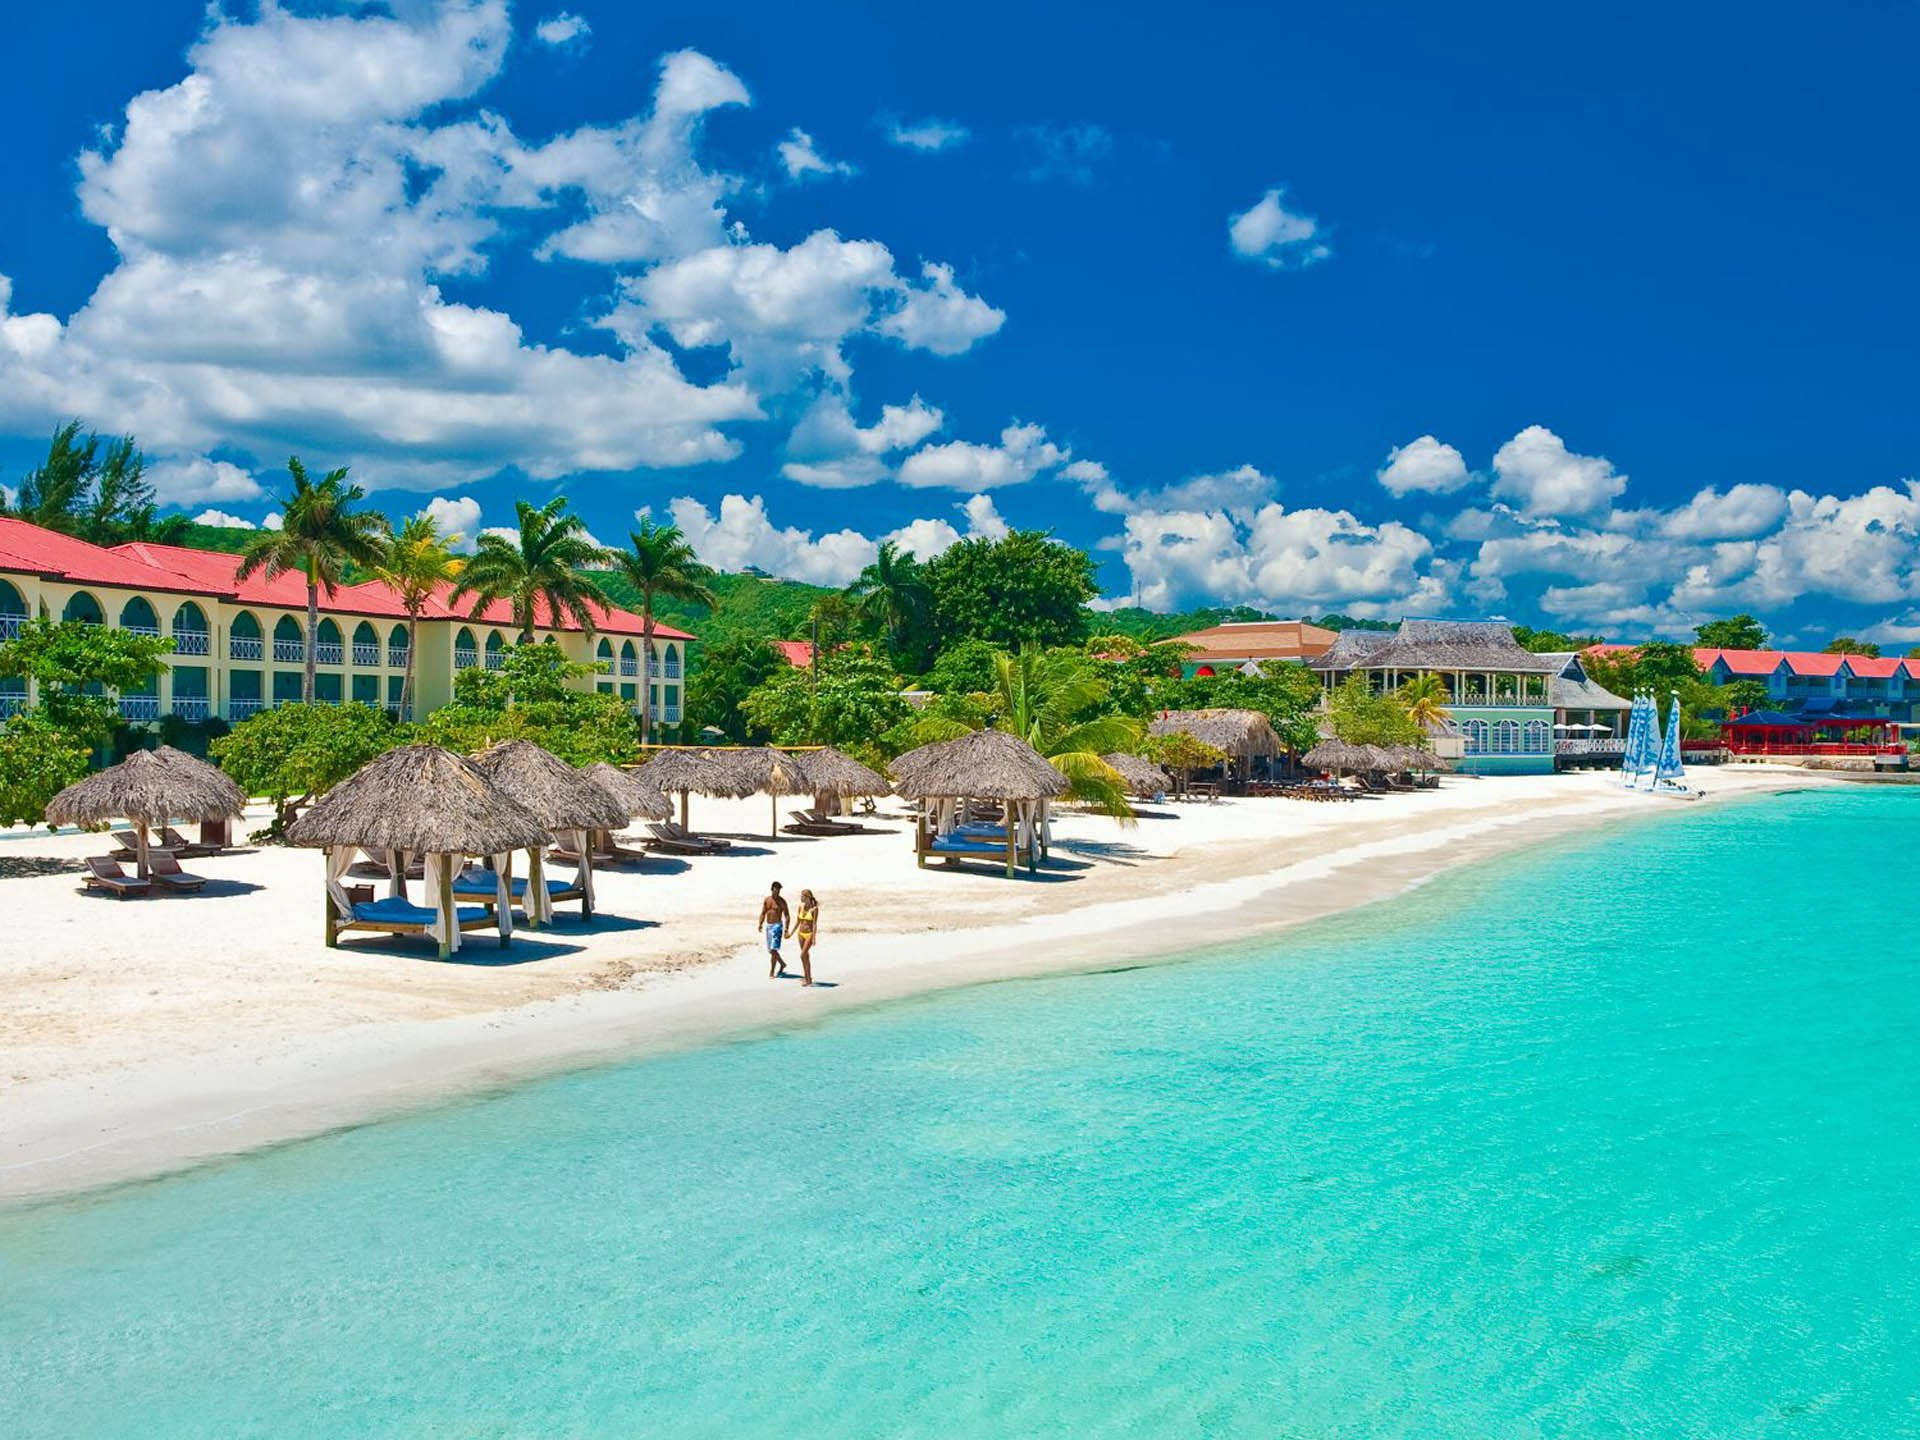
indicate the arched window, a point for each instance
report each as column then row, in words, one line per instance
column 397, row 647
column 670, row 662
column 139, row 615
column 327, row 647
column 496, row 651
column 1506, row 737
column 84, row 608
column 366, row 646
column 13, row 611
column 243, row 638
column 1538, row 739
column 189, row 630
column 289, row 641
column 629, row 659
column 465, row 654
column 1476, row 736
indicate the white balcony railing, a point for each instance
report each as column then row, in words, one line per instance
column 325, row 653
column 190, row 642
column 139, row 707
column 240, row 709
column 192, row 707
column 245, row 647
column 367, row 656
column 153, row 630
column 495, row 659
column 396, row 658
column 290, row 651
column 629, row 665
column 10, row 625
column 12, row 704
column 465, row 659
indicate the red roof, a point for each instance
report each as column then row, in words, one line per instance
column 797, row 653
column 181, row 569
column 1741, row 662
column 1874, row 667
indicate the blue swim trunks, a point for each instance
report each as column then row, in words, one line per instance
column 774, row 933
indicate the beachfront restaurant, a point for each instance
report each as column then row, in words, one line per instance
column 1776, row 732
column 1498, row 694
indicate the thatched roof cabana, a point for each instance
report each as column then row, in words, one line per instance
column 1241, row 734
column 1141, row 776
column 569, row 800
column 644, row 801
column 420, row 800
column 678, row 771
column 982, row 765
column 149, row 790
column 835, row 773
column 1337, row 755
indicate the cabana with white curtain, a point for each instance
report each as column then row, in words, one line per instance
column 570, row 802
column 984, row 765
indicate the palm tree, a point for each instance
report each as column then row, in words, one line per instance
column 537, row 570
column 893, row 596
column 1042, row 696
column 1425, row 696
column 419, row 560
column 660, row 562
column 322, row 531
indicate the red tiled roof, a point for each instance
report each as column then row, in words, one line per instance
column 1812, row 662
column 797, row 653
column 1874, row 667
column 1259, row 640
column 143, row 565
column 1741, row 662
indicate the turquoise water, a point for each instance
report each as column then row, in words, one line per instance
column 1618, row 1139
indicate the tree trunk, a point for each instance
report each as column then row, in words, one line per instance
column 646, row 667
column 313, row 635
column 406, row 681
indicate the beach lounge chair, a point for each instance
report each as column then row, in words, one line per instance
column 813, row 822
column 164, row 867
column 172, row 839
column 607, row 850
column 395, row 916
column 481, row 887
column 126, row 845
column 105, row 874
column 674, row 840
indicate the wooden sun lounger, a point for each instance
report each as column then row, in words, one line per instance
column 105, row 874
column 675, row 841
column 172, row 839
column 812, row 822
column 165, row 869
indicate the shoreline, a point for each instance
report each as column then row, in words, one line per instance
column 107, row 1128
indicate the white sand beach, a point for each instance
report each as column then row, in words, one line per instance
column 145, row 1035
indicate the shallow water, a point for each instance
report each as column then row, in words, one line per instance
column 1617, row 1139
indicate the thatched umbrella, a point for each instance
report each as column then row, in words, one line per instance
column 644, row 800
column 838, row 775
column 418, row 799
column 148, row 790
column 213, row 775
column 1141, row 776
column 568, row 800
column 1336, row 755
column 1379, row 758
column 757, row 770
column 1242, row 735
column 680, row 772
column 982, row 765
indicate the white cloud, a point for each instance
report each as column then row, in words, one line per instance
column 195, row 481
column 938, row 315
column 1743, row 512
column 458, row 517
column 1536, row 469
column 1023, row 452
column 562, row 29
column 742, row 535
column 829, row 450
column 928, row 538
column 270, row 522
column 1276, row 236
column 928, row 134
column 221, row 520
column 1425, row 464
column 803, row 158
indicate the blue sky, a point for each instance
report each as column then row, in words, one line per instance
column 1597, row 317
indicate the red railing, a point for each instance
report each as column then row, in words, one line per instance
column 1818, row 747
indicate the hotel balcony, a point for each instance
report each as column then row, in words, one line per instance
column 10, row 625
column 11, row 705
column 367, row 656
column 669, row 671
column 192, row 707
column 245, row 647
column 153, row 630
column 397, row 659
column 240, row 709
column 495, row 659
column 139, row 707
column 190, row 642
column 465, row 659
column 629, row 666
column 326, row 654
column 292, row 652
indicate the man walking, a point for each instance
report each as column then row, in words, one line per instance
column 773, row 921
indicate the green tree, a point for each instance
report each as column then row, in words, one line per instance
column 1285, row 691
column 534, row 696
column 75, row 665
column 1847, row 645
column 729, row 671
column 323, row 529
column 855, row 704
column 1024, row 588
column 539, row 572
column 1550, row 642
column 38, row 759
column 293, row 752
column 1425, row 696
column 896, row 602
column 418, row 561
column 1742, row 632
column 100, row 496
column 1360, row 717
column 1182, row 754
column 969, row 667
column 660, row 563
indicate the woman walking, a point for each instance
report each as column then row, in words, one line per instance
column 805, row 928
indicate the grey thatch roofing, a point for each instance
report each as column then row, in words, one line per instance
column 1140, row 775
column 984, row 765
column 755, row 770
column 1571, row 688
column 1336, row 755
column 642, row 800
column 1434, row 645
column 149, row 788
column 835, row 773
column 566, row 798
column 676, row 770
column 423, row 799
column 1242, row 734
column 212, row 774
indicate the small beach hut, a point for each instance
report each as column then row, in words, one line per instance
column 416, row 800
column 1336, row 755
column 983, row 765
column 757, row 770
column 148, row 790
column 1244, row 736
column 838, row 775
column 679, row 772
column 1141, row 776
column 570, row 802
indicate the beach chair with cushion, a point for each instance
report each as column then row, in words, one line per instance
column 396, row 916
column 105, row 874
column 172, row 839
column 165, row 869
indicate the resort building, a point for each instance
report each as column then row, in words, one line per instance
column 1241, row 645
column 1499, row 695
column 1814, row 683
column 240, row 645
column 1589, row 720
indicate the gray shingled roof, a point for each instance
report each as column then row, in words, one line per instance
column 1571, row 688
column 1435, row 645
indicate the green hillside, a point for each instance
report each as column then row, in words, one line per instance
column 752, row 605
